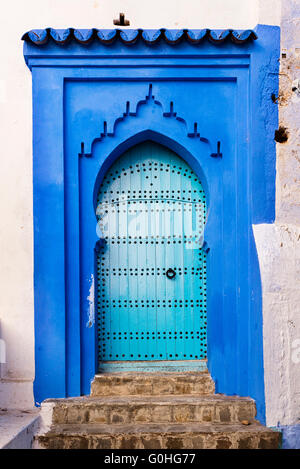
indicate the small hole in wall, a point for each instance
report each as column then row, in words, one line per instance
column 281, row 135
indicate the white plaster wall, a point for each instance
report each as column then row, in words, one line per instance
column 278, row 245
column 16, row 231
column 279, row 254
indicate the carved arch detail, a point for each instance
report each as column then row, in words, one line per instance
column 149, row 99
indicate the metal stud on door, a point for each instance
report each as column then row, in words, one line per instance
column 151, row 267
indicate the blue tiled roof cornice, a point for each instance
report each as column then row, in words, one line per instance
column 40, row 37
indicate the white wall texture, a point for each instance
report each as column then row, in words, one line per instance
column 277, row 244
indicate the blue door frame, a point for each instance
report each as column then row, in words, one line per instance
column 205, row 96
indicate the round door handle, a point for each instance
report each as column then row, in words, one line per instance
column 170, row 273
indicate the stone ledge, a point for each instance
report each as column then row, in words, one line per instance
column 17, row 428
column 159, row 436
column 216, row 408
column 152, row 383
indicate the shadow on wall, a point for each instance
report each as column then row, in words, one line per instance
column 290, row 436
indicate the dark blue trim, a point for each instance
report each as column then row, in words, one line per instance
column 62, row 37
column 226, row 92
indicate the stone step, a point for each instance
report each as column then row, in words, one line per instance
column 160, row 436
column 157, row 409
column 164, row 383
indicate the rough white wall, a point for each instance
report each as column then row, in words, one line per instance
column 16, row 232
column 279, row 254
column 279, row 244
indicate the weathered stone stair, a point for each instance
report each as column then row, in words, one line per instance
column 152, row 411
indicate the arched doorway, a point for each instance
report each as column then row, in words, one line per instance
column 151, row 269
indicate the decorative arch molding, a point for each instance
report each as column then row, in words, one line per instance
column 148, row 101
column 115, row 148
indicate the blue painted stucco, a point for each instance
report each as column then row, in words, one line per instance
column 290, row 436
column 89, row 106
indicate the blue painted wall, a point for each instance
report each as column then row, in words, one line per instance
column 290, row 436
column 93, row 102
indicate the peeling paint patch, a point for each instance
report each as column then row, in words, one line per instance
column 91, row 300
column 281, row 135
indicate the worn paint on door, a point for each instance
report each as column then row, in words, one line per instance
column 151, row 267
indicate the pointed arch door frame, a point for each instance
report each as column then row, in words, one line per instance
column 94, row 168
column 150, row 124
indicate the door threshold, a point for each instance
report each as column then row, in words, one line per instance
column 148, row 366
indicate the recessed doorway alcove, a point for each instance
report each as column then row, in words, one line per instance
column 192, row 102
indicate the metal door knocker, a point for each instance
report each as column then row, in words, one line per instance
column 170, row 273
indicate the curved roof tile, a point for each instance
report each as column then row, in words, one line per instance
column 40, row 37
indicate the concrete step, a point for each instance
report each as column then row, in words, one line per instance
column 156, row 384
column 160, row 436
column 157, row 409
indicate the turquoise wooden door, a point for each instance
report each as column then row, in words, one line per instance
column 151, row 269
